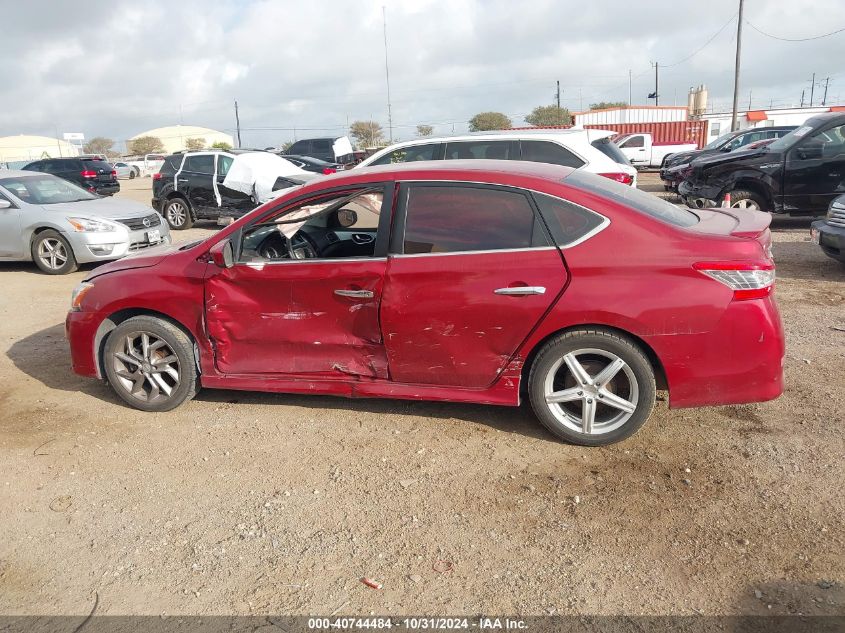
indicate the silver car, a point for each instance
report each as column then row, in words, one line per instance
column 59, row 225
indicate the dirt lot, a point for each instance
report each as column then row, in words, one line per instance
column 253, row 503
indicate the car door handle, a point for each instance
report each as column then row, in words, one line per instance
column 355, row 294
column 517, row 291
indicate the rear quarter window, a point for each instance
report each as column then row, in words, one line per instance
column 633, row 198
column 611, row 150
column 567, row 222
column 549, row 152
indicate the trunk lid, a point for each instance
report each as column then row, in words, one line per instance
column 740, row 223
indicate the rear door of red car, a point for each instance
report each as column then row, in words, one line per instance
column 472, row 271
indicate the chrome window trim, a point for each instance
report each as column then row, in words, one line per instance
column 310, row 260
column 601, row 227
column 486, row 252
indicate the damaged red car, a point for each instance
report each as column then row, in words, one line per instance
column 484, row 281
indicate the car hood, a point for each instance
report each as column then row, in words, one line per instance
column 143, row 259
column 724, row 158
column 107, row 208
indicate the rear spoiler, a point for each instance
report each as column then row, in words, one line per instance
column 747, row 223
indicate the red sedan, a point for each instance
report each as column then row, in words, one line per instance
column 478, row 281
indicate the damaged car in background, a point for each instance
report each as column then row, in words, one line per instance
column 468, row 281
column 798, row 174
column 219, row 186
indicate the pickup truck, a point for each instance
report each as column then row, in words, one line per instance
column 145, row 165
column 642, row 151
column 798, row 174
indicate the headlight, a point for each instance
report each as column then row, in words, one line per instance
column 78, row 293
column 88, row 225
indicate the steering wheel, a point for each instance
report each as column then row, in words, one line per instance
column 300, row 246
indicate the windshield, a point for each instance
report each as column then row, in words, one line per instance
column 611, row 150
column 44, row 189
column 784, row 142
column 717, row 143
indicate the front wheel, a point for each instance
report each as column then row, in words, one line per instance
column 150, row 364
column 592, row 387
column 52, row 253
column 177, row 214
column 743, row 199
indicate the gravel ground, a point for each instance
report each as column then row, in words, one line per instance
column 254, row 503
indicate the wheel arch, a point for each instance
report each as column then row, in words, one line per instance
column 754, row 186
column 116, row 318
column 653, row 359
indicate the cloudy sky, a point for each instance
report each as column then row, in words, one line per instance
column 299, row 69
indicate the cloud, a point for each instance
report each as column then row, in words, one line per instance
column 312, row 67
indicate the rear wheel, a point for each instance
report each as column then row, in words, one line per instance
column 592, row 387
column 744, row 199
column 131, row 174
column 177, row 214
column 52, row 253
column 150, row 364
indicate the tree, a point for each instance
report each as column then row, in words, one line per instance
column 221, row 145
column 195, row 144
column 425, row 130
column 145, row 145
column 367, row 133
column 100, row 145
column 549, row 116
column 489, row 121
column 286, row 146
column 604, row 105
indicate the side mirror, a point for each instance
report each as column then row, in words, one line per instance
column 5, row 204
column 347, row 218
column 223, row 254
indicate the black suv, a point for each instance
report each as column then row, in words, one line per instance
column 189, row 187
column 91, row 173
column 671, row 171
column 798, row 174
column 322, row 148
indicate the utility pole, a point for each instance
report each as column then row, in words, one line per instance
column 655, row 95
column 580, row 100
column 630, row 98
column 802, row 98
column 558, row 95
column 736, row 65
column 387, row 75
column 826, row 84
column 812, row 88
column 237, row 123
column 749, row 98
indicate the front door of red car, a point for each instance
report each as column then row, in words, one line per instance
column 303, row 295
column 472, row 272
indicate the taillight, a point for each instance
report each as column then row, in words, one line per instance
column 625, row 179
column 747, row 280
column 113, row 172
column 329, row 170
column 88, row 174
column 157, row 176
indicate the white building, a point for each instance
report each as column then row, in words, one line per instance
column 25, row 148
column 720, row 122
column 631, row 114
column 174, row 137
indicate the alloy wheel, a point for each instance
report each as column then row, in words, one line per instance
column 591, row 391
column 745, row 203
column 147, row 368
column 52, row 253
column 176, row 214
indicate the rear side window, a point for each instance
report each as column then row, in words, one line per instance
column 36, row 166
column 223, row 164
column 201, row 164
column 548, row 152
column 567, row 222
column 453, row 219
column 491, row 150
column 171, row 165
column 408, row 154
column 322, row 145
column 611, row 150
column 631, row 197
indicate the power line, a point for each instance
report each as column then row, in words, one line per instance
column 703, row 46
column 789, row 39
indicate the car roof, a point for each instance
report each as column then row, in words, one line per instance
column 473, row 170
column 475, row 136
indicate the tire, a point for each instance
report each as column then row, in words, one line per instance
column 132, row 371
column 177, row 212
column 52, row 253
column 131, row 174
column 136, row 171
column 594, row 351
column 744, row 199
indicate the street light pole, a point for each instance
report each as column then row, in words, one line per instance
column 736, row 67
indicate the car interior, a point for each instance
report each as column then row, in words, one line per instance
column 341, row 226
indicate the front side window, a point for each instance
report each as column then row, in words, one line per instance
column 829, row 143
column 548, row 152
column 322, row 146
column 491, row 150
column 338, row 225
column 223, row 164
column 634, row 141
column 408, row 154
column 200, row 164
column 454, row 219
